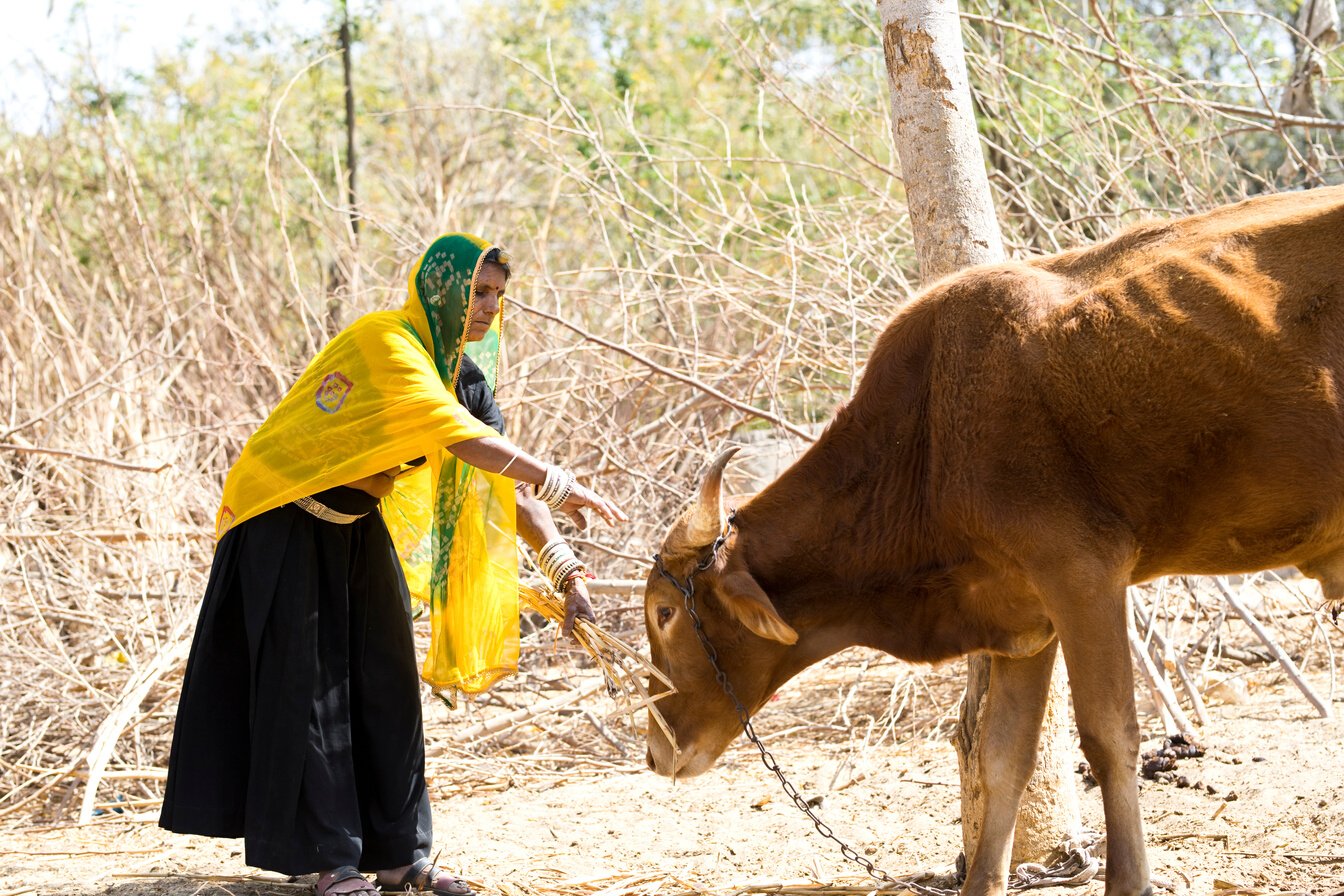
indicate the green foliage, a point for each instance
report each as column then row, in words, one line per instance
column 725, row 170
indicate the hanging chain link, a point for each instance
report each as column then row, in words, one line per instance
column 687, row 590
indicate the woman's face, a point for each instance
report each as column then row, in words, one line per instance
column 490, row 283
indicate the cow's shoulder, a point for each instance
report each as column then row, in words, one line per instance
column 991, row 308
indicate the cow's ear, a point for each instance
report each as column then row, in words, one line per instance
column 744, row 599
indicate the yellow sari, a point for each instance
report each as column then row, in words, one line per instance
column 382, row 394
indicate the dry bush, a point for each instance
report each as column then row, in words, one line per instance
column 680, row 286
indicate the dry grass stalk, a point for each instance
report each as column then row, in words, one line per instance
column 277, row 883
column 622, row 666
column 661, row 883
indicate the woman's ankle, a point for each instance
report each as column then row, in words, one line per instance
column 394, row 875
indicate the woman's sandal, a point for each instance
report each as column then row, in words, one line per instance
column 326, row 883
column 425, row 875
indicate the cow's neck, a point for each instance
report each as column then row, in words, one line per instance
column 832, row 539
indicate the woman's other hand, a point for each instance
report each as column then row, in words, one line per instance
column 577, row 606
column 582, row 497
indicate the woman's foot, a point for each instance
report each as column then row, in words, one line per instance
column 345, row 879
column 423, row 875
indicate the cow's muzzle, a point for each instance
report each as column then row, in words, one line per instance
column 686, row 763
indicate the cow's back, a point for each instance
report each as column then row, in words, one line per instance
column 1178, row 384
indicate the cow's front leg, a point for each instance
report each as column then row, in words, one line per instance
column 1010, row 729
column 1101, row 678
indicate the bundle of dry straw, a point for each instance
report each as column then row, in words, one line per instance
column 622, row 666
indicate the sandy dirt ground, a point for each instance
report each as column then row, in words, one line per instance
column 1262, row 814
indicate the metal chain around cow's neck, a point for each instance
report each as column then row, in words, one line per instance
column 688, row 593
column 1077, row 868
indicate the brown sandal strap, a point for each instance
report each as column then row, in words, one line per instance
column 338, row 875
column 428, row 876
column 422, row 875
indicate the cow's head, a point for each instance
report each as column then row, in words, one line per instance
column 740, row 621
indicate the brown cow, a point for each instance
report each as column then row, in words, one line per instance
column 1027, row 440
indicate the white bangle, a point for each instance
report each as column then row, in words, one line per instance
column 552, row 553
column 549, row 483
column 557, row 488
column 557, row 562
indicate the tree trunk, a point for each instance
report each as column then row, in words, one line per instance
column 343, row 280
column 951, row 210
column 1317, row 31
column 1049, row 810
column 952, row 215
column 343, row 38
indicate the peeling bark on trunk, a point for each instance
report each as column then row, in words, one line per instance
column 951, row 210
column 952, row 216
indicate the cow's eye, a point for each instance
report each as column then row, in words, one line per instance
column 664, row 615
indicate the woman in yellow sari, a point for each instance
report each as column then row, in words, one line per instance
column 383, row 472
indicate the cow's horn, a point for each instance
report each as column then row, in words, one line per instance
column 705, row 520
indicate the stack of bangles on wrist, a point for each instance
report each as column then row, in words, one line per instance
column 557, row 488
column 559, row 565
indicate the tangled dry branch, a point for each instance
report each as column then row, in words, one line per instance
column 678, row 289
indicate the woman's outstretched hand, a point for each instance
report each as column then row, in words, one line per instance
column 582, row 498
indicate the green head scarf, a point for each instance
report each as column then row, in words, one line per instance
column 443, row 281
column 472, row 558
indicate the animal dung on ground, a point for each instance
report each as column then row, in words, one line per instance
column 1160, row 764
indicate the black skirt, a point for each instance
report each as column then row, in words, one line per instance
column 299, row 724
